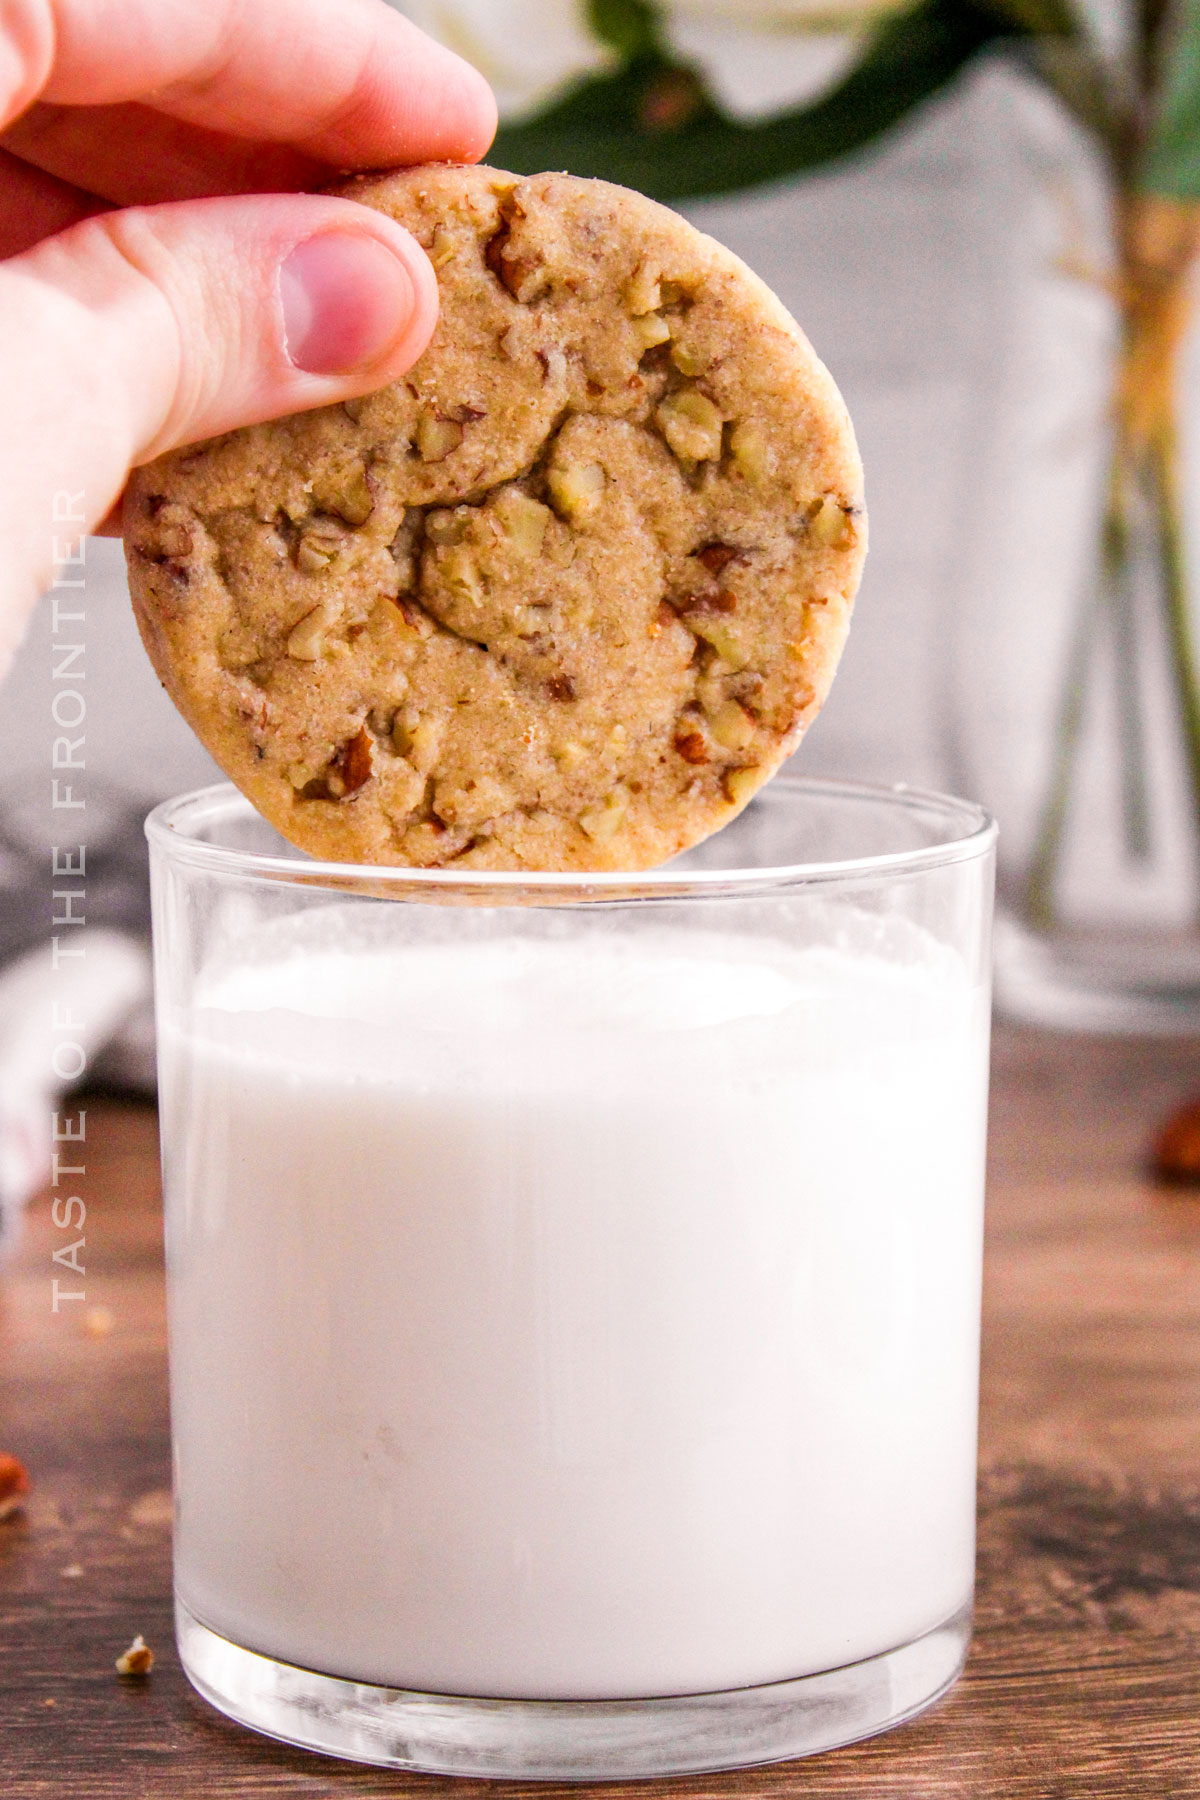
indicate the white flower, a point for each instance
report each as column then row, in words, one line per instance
column 757, row 57
column 780, row 15
column 760, row 57
column 530, row 50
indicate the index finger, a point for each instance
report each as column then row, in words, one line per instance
column 354, row 85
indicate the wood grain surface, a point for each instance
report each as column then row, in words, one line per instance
column 1084, row 1679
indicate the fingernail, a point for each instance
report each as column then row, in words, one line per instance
column 346, row 299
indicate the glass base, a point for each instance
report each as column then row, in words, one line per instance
column 571, row 1740
column 1138, row 984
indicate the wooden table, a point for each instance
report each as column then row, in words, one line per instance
column 1085, row 1675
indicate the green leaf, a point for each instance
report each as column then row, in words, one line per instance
column 1041, row 18
column 1094, row 92
column 1171, row 163
column 626, row 26
column 651, row 126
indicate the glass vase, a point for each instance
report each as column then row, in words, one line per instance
column 1074, row 700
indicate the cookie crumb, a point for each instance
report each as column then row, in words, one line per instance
column 153, row 1509
column 137, row 1660
column 14, row 1485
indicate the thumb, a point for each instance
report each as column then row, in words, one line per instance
column 138, row 330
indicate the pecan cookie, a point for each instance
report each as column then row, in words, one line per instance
column 560, row 599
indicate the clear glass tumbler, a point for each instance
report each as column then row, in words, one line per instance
column 574, row 1286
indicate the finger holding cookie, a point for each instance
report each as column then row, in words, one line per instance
column 162, row 277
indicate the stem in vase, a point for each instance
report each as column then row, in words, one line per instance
column 1163, row 471
column 1159, row 241
column 1163, row 242
column 1047, row 850
column 1120, row 588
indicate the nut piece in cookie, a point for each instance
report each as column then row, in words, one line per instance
column 564, row 596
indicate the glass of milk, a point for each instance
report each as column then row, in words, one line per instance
column 574, row 1286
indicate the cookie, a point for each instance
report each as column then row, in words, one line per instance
column 564, row 596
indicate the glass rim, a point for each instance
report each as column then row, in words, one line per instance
column 971, row 833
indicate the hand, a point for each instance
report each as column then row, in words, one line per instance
column 164, row 278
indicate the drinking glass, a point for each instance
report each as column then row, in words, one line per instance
column 574, row 1286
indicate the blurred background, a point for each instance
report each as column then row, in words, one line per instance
column 983, row 213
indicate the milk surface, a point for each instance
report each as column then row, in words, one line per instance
column 575, row 1317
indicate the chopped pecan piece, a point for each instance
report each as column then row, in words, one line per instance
column 518, row 275
column 172, row 541
column 751, row 453
column 717, row 556
column 651, row 329
column 687, row 360
column 318, row 545
column 732, row 726
column 14, row 1484
column 692, row 425
column 642, row 293
column 604, row 821
column 712, row 600
column 665, row 615
column 690, row 744
column 417, row 739
column 739, row 784
column 449, row 526
column 343, row 776
column 436, row 435
column 355, row 761
column 1175, row 1157
column 575, row 490
column 441, row 251
column 307, row 638
column 554, row 365
column 410, row 613
column 138, row 1660
column 828, row 521
column 523, row 520
column 720, row 637
column 346, row 492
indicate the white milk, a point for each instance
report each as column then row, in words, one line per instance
column 579, row 1319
